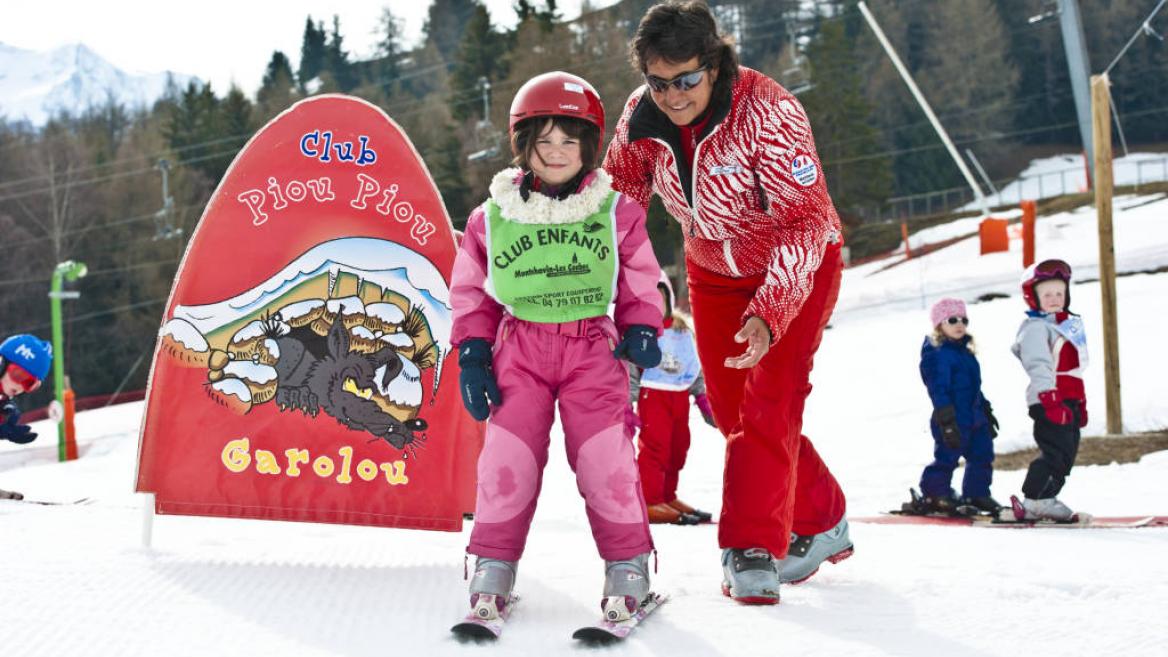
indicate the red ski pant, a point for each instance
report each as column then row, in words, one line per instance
column 663, row 442
column 774, row 481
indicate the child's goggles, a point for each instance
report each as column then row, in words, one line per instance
column 953, row 321
column 1053, row 269
column 23, row 378
column 683, row 82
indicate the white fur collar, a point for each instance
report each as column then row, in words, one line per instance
column 540, row 209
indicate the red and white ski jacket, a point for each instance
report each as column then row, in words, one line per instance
column 754, row 205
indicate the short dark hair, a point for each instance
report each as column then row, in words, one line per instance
column 680, row 31
column 524, row 136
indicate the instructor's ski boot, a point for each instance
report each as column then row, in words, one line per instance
column 1049, row 508
column 626, row 585
column 490, row 587
column 750, row 576
column 806, row 553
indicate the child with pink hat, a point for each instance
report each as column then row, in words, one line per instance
column 963, row 423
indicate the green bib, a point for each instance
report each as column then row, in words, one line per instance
column 553, row 272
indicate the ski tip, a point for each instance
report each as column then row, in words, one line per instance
column 469, row 631
column 595, row 635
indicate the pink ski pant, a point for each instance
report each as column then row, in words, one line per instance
column 536, row 365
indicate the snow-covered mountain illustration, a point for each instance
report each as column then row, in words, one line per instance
column 36, row 84
column 386, row 264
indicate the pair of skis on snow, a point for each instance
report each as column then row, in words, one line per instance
column 1013, row 516
column 601, row 632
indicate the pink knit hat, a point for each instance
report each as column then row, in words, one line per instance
column 946, row 308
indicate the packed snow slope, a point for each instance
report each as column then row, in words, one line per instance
column 76, row 580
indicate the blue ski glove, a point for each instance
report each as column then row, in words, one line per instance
column 11, row 429
column 476, row 381
column 639, row 346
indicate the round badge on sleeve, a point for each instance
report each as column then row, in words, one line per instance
column 803, row 170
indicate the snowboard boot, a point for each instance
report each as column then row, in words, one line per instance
column 806, row 553
column 682, row 507
column 750, row 576
column 664, row 514
column 626, row 585
column 1049, row 508
column 983, row 503
column 491, row 586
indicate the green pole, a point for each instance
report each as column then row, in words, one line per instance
column 67, row 270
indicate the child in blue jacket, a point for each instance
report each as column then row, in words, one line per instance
column 963, row 422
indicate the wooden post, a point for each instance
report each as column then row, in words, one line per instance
column 1029, row 210
column 904, row 234
column 1101, row 133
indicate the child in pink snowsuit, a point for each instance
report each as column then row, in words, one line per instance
column 554, row 282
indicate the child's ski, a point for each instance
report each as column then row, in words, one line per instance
column 606, row 631
column 474, row 628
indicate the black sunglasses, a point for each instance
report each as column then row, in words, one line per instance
column 683, row 82
column 953, row 321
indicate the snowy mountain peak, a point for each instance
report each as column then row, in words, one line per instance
column 72, row 78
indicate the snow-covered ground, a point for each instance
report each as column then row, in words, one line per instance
column 75, row 580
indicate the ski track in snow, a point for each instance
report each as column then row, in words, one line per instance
column 76, row 581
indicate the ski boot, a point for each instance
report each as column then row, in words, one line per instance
column 490, row 587
column 750, row 576
column 1049, row 508
column 10, row 495
column 983, row 503
column 665, row 514
column 941, row 505
column 807, row 553
column 626, row 586
column 682, row 507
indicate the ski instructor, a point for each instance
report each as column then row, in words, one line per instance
column 731, row 155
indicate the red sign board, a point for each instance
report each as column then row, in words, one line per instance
column 302, row 371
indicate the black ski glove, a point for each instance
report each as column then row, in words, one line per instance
column 989, row 413
column 639, row 346
column 476, row 381
column 11, row 429
column 946, row 419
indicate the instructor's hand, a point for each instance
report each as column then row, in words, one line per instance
column 757, row 337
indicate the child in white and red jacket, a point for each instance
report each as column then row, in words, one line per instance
column 662, row 396
column 1052, row 346
column 554, row 282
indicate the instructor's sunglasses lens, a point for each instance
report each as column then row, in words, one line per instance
column 952, row 321
column 683, row 82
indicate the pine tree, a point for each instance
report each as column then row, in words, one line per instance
column 481, row 54
column 842, row 121
column 312, row 52
column 446, row 23
column 336, row 60
column 387, row 68
column 277, row 91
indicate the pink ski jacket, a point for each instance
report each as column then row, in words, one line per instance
column 754, row 204
column 478, row 315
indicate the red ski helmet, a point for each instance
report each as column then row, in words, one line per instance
column 558, row 94
column 1045, row 271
